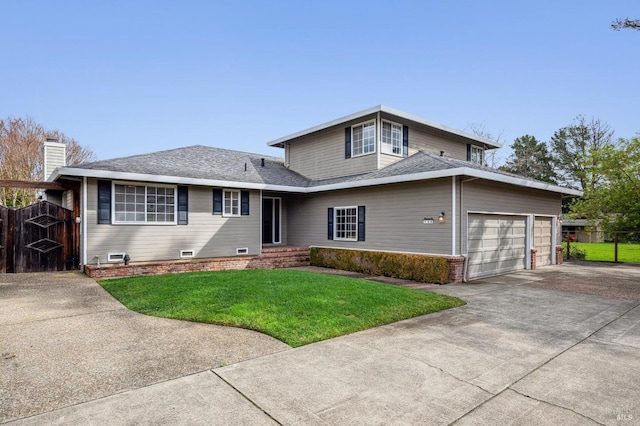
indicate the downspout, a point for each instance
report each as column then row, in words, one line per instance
column 453, row 216
column 378, row 141
column 465, row 267
column 83, row 217
column 260, row 227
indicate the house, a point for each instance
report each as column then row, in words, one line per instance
column 379, row 179
column 582, row 230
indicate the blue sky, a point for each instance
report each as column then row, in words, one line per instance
column 130, row 77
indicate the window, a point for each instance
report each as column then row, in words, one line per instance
column 231, row 203
column 144, row 204
column 391, row 138
column 363, row 138
column 346, row 223
column 477, row 155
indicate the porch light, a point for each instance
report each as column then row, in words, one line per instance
column 441, row 217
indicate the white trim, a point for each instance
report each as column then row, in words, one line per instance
column 379, row 140
column 453, row 216
column 375, row 138
column 114, row 221
column 260, row 225
column 273, row 222
column 528, row 243
column 224, row 213
column 391, row 111
column 83, row 215
column 393, row 123
column 116, row 257
column 459, row 171
column 477, row 148
column 187, row 254
column 335, row 223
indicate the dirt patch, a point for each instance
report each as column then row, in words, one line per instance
column 606, row 286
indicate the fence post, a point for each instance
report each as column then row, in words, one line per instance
column 615, row 241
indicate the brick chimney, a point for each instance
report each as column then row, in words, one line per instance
column 55, row 155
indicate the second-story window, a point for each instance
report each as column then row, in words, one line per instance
column 477, row 155
column 391, row 138
column 363, row 138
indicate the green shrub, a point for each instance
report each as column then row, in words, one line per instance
column 576, row 253
column 416, row 267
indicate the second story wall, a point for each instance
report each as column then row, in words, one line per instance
column 326, row 154
column 321, row 155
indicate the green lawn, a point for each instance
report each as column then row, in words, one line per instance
column 604, row 252
column 295, row 307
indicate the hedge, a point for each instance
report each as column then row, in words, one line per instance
column 416, row 267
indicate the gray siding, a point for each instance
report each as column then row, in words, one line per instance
column 54, row 156
column 394, row 217
column 423, row 141
column 207, row 234
column 321, row 156
column 484, row 196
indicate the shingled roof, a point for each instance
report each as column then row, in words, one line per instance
column 203, row 165
column 204, row 162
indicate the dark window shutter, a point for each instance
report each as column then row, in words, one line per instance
column 244, row 203
column 405, row 141
column 347, row 142
column 361, row 223
column 330, row 223
column 104, row 201
column 183, row 205
column 468, row 152
column 217, row 201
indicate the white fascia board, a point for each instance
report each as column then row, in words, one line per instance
column 497, row 177
column 391, row 111
column 460, row 171
column 142, row 177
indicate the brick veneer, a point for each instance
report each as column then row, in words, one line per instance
column 277, row 257
column 456, row 273
column 534, row 261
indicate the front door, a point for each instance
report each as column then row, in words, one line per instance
column 271, row 220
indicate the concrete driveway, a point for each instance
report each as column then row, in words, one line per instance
column 560, row 345
column 64, row 340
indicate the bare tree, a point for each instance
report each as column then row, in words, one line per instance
column 22, row 156
column 619, row 24
column 491, row 158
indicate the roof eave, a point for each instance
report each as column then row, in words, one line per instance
column 279, row 143
column 459, row 171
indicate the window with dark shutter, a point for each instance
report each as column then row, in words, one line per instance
column 183, row 205
column 104, row 202
column 217, row 201
column 347, row 142
column 330, row 223
column 405, row 141
column 468, row 152
column 361, row 210
column 244, row 203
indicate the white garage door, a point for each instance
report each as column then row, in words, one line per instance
column 542, row 240
column 497, row 244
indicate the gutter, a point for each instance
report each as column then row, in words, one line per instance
column 459, row 171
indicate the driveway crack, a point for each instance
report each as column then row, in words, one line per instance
column 556, row 405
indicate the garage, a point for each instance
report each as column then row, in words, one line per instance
column 543, row 240
column 497, row 244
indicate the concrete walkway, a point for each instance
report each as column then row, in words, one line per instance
column 560, row 345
